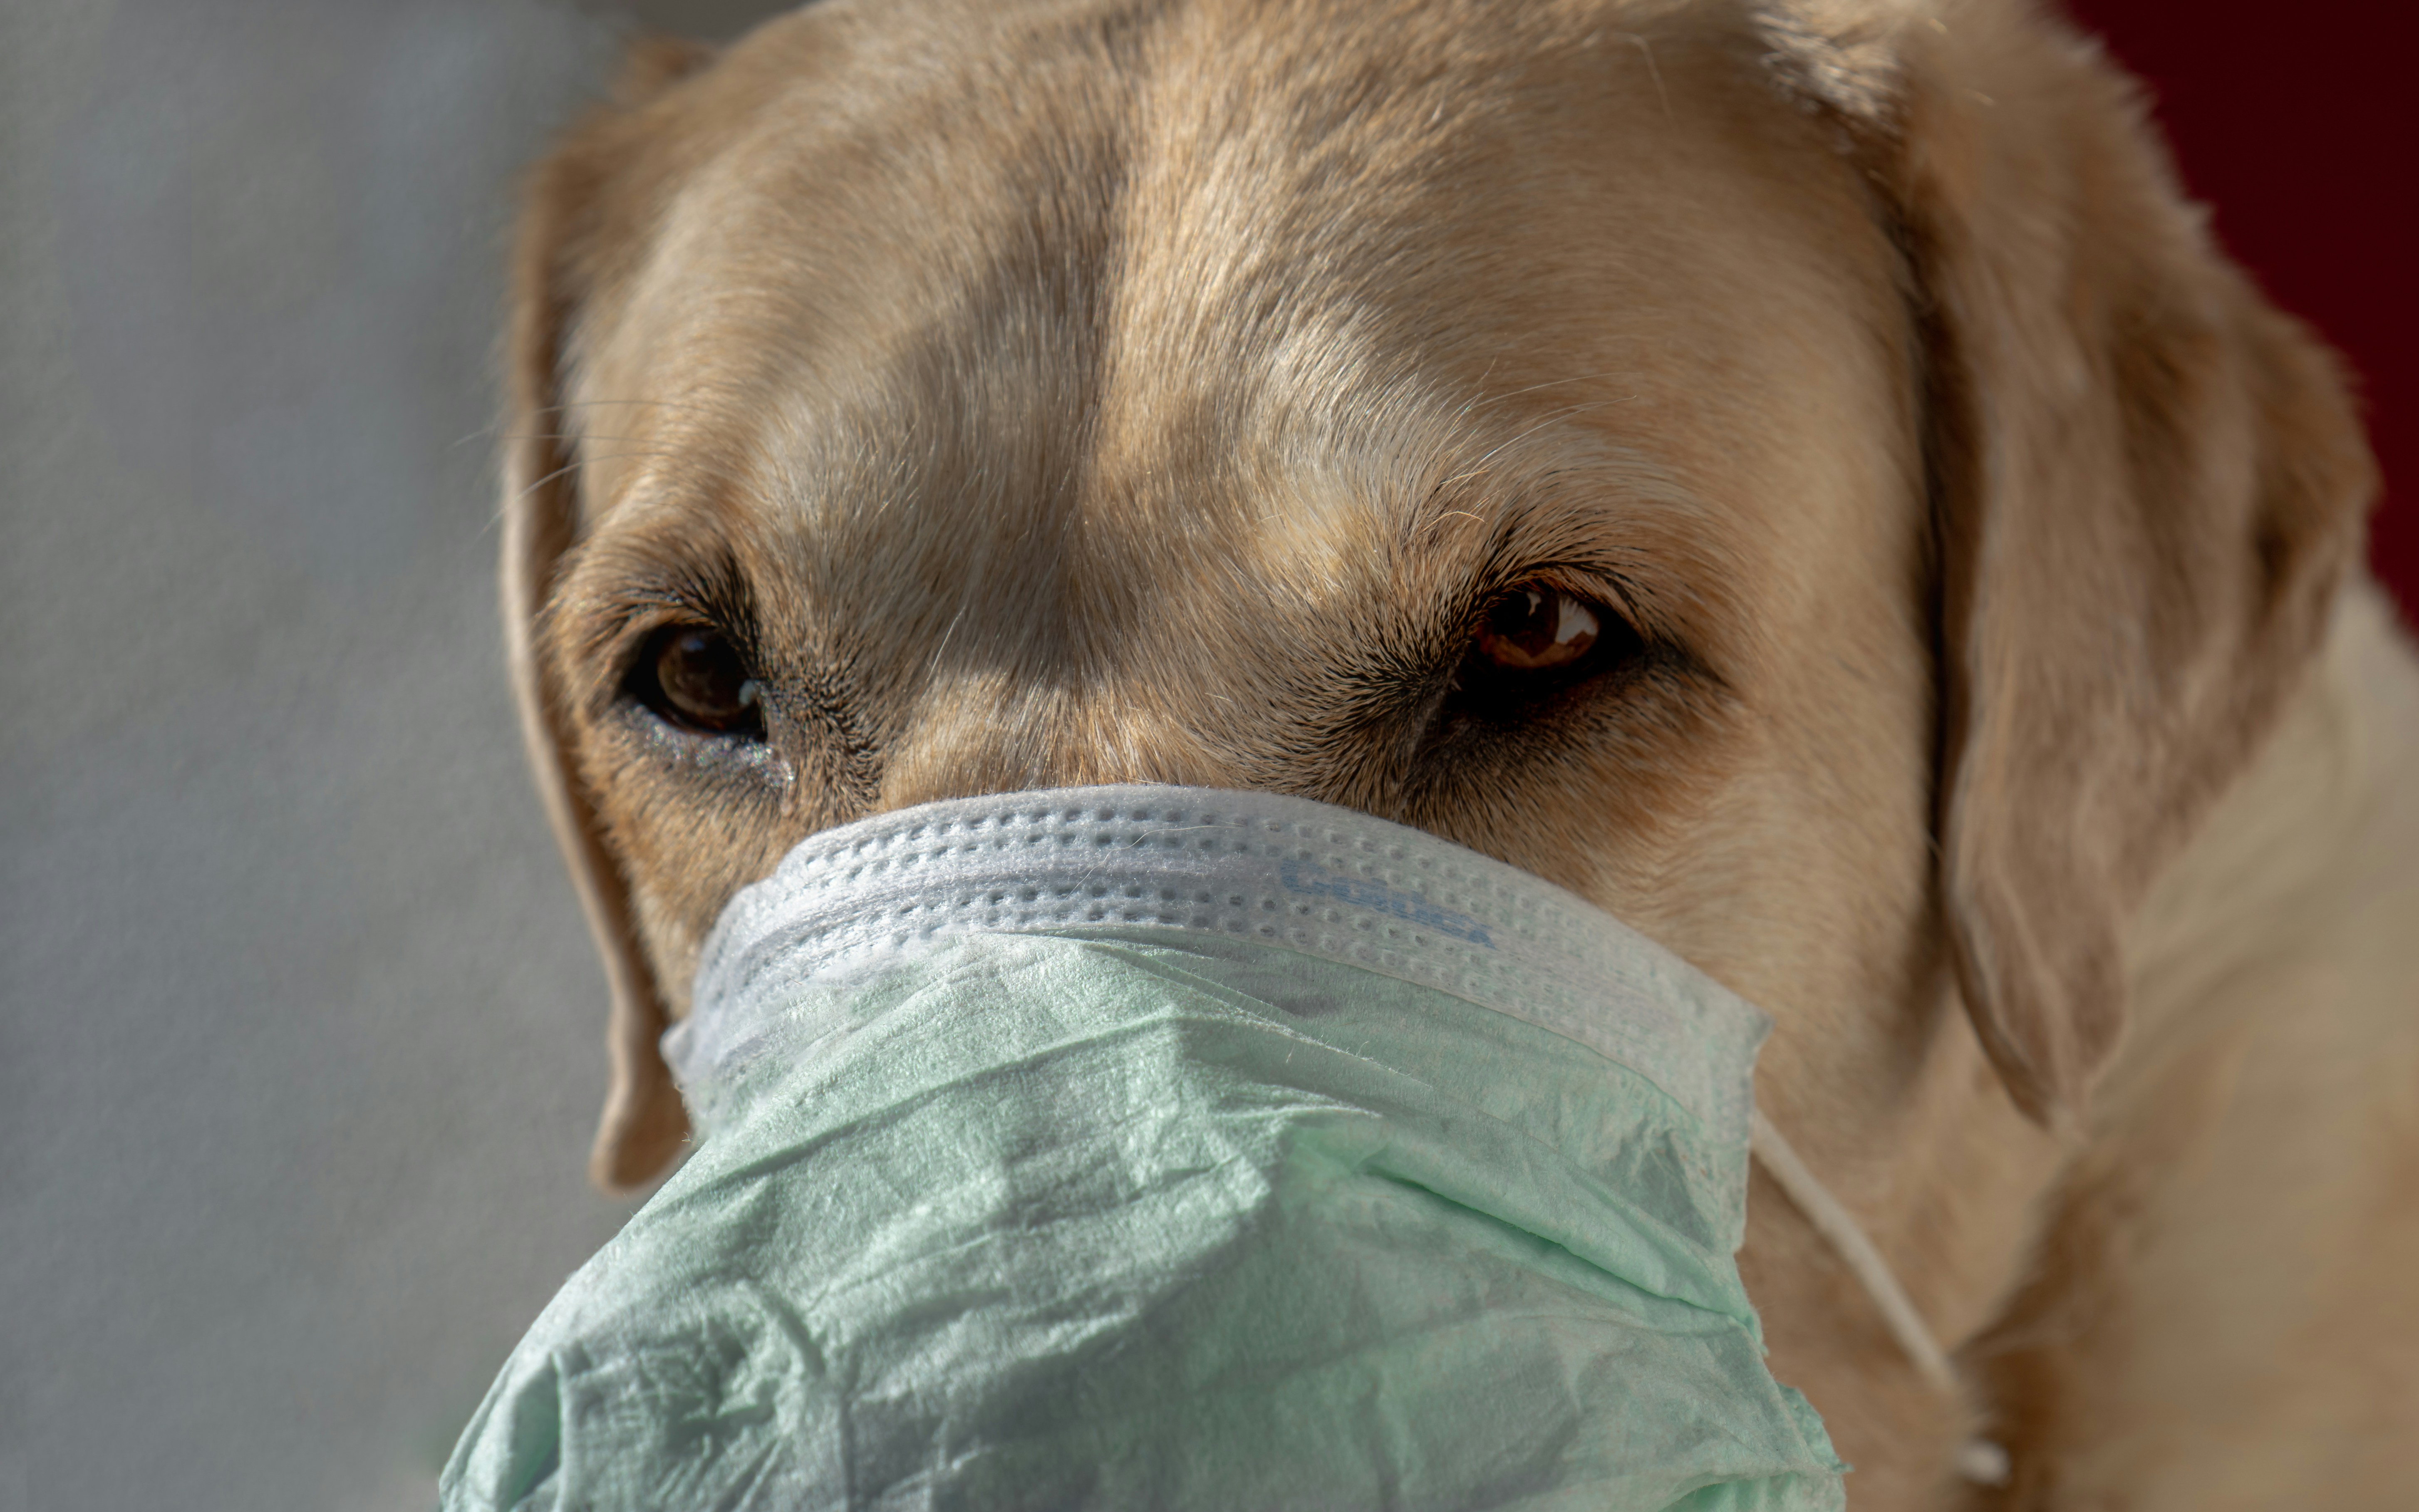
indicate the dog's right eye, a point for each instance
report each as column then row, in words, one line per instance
column 692, row 677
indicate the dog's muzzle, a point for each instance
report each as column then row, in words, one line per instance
column 1167, row 1148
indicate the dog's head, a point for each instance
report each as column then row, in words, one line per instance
column 1796, row 473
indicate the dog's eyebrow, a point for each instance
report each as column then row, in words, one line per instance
column 1598, row 514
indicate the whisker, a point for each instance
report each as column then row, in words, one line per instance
column 932, row 662
column 573, row 436
column 577, row 464
column 489, row 430
column 1647, row 50
column 1577, row 377
column 1553, row 417
column 1438, row 523
column 656, row 403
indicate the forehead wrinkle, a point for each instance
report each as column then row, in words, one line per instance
column 1283, row 210
column 834, row 223
column 1289, row 291
column 928, row 514
column 911, row 538
column 1266, row 150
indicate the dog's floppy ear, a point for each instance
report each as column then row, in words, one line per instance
column 2147, row 484
column 567, row 238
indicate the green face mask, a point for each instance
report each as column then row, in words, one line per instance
column 1165, row 1148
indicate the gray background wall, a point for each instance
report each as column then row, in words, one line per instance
column 299, row 1036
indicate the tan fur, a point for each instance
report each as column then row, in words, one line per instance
column 2224, row 1315
column 1094, row 391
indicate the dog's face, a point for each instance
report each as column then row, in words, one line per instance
column 1724, row 459
column 1525, row 459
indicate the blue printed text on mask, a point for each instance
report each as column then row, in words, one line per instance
column 1311, row 880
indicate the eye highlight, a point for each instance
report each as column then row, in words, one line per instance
column 1538, row 628
column 692, row 677
column 1534, row 647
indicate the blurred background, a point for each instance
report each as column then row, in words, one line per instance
column 300, row 1034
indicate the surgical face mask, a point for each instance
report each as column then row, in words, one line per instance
column 1168, row 1147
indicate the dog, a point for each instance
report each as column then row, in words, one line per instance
column 1796, row 472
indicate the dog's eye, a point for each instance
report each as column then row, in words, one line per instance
column 1537, row 628
column 692, row 676
column 1532, row 646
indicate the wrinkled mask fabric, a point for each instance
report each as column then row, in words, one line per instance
column 1171, row 1148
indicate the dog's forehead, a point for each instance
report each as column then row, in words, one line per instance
column 1025, row 305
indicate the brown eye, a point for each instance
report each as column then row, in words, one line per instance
column 692, row 676
column 1538, row 628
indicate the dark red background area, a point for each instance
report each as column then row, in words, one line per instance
column 2297, row 124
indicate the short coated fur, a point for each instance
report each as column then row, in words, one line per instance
column 1086, row 391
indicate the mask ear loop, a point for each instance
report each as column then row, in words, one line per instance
column 1979, row 1460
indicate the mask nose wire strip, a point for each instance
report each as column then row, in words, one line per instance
column 1978, row 1461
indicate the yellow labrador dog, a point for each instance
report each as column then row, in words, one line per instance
column 1795, row 473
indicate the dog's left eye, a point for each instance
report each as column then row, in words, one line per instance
column 691, row 676
column 1531, row 645
column 1537, row 628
